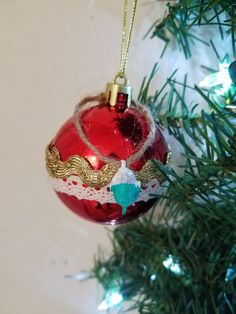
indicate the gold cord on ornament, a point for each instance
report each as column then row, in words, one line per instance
column 77, row 165
column 125, row 42
column 114, row 88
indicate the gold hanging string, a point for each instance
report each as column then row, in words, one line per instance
column 126, row 43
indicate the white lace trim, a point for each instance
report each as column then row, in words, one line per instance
column 74, row 186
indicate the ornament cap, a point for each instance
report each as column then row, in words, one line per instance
column 119, row 95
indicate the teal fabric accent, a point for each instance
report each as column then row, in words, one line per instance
column 125, row 194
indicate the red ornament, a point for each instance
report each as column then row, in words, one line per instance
column 118, row 135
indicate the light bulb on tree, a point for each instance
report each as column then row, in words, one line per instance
column 111, row 299
column 173, row 266
column 220, row 81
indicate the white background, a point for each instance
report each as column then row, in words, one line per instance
column 52, row 54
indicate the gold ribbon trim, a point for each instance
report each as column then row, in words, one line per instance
column 76, row 165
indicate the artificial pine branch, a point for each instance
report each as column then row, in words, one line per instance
column 184, row 16
column 199, row 229
column 186, row 262
column 200, row 239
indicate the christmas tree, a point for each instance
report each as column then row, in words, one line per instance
column 184, row 261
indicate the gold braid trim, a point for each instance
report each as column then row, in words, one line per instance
column 76, row 165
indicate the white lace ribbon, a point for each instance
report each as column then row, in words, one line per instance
column 74, row 186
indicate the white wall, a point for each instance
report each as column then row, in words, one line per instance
column 53, row 53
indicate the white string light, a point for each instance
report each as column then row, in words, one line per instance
column 221, row 78
column 172, row 266
column 111, row 299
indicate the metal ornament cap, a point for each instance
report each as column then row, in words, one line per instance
column 119, row 95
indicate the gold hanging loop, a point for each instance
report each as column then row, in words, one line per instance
column 125, row 44
column 117, row 92
column 123, row 76
column 114, row 89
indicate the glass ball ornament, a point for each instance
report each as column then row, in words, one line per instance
column 117, row 134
